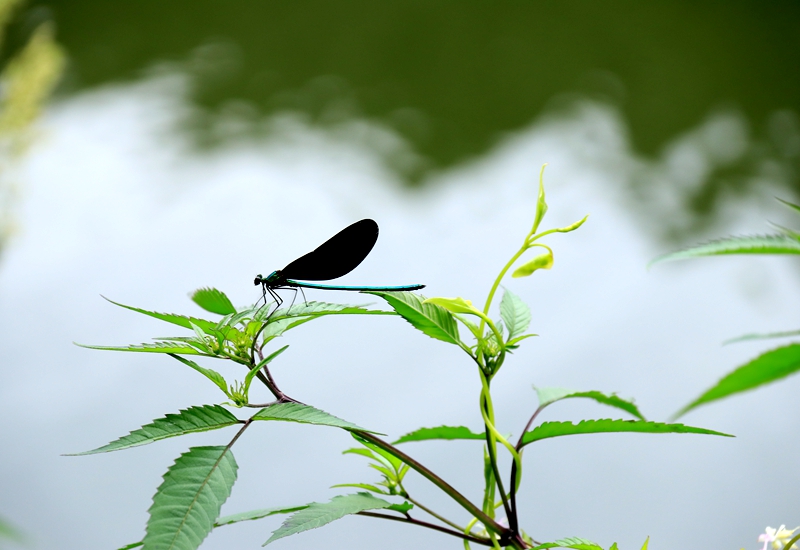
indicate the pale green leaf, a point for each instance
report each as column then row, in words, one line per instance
column 607, row 425
column 768, row 367
column 441, row 432
column 646, row 543
column 789, row 204
column 551, row 395
column 191, row 420
column 515, row 313
column 188, row 501
column 257, row 514
column 541, row 204
column 304, row 414
column 213, row 300
column 542, row 261
column 755, row 244
column 318, row 514
column 402, row 508
column 433, row 320
column 767, row 336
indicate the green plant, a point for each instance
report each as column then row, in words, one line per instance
column 186, row 507
column 774, row 364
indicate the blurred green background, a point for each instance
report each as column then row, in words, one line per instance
column 454, row 77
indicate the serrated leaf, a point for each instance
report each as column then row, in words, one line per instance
column 755, row 244
column 188, row 501
column 187, row 421
column 180, row 320
column 156, row 347
column 213, row 300
column 304, row 414
column 570, row 542
column 211, row 374
column 542, row 261
column 441, row 432
column 257, row 514
column 317, row 514
column 515, row 313
column 607, row 425
column 548, row 396
column 768, row 367
column 433, row 320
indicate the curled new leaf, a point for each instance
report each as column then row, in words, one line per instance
column 542, row 261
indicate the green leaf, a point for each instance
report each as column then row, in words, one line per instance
column 786, row 334
column 257, row 514
column 211, row 374
column 433, row 320
column 180, row 320
column 772, row 365
column 366, row 486
column 755, row 244
column 606, row 425
column 571, row 542
column 646, row 543
column 789, row 204
column 317, row 514
column 213, row 300
column 542, row 261
column 402, row 508
column 515, row 313
column 541, row 205
column 132, row 545
column 156, row 347
column 551, row 395
column 188, row 502
column 441, row 432
column 188, row 421
column 304, row 414
column 9, row 532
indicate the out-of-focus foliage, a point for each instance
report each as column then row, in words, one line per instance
column 26, row 82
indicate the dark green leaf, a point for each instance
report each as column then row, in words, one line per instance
column 132, row 545
column 188, row 502
column 755, row 244
column 772, row 365
column 433, row 320
column 213, row 300
column 317, row 514
column 515, row 313
column 304, row 414
column 156, row 347
column 556, row 429
column 257, row 514
column 441, row 432
column 191, row 420
column 551, row 395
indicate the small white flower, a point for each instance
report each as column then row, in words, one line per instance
column 778, row 537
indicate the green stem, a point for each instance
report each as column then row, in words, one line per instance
column 434, row 514
column 491, row 525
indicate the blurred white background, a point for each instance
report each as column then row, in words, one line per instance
column 114, row 204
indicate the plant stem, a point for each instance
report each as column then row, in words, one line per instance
column 409, row 519
column 465, row 503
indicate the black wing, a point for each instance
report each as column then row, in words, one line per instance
column 337, row 256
